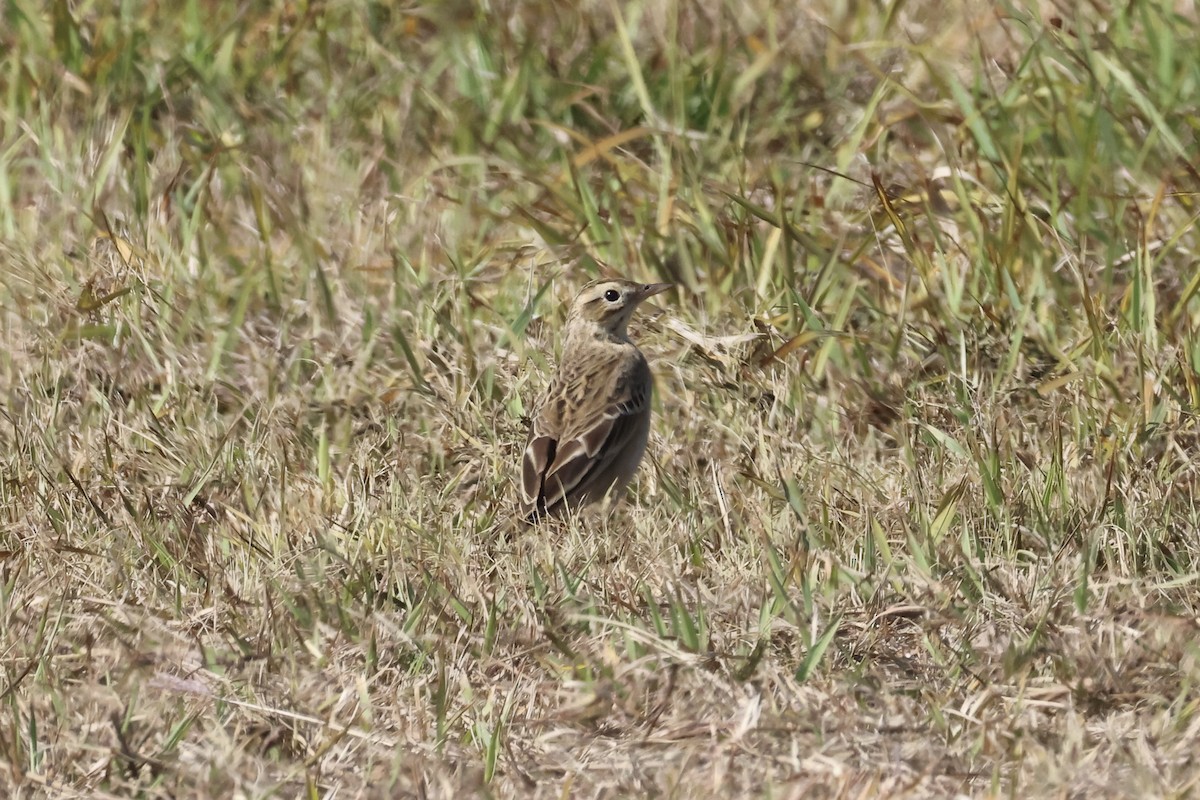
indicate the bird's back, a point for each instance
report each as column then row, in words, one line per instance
column 590, row 429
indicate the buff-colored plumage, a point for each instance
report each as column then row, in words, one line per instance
column 589, row 433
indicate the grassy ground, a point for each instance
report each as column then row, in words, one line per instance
column 279, row 285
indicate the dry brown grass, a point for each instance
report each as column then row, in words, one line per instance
column 919, row 517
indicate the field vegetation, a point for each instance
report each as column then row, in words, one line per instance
column 280, row 283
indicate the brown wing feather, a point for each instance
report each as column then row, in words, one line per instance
column 585, row 456
column 539, row 453
column 558, row 470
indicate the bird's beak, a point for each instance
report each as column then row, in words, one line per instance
column 651, row 289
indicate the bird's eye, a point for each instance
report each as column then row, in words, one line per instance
column 612, row 295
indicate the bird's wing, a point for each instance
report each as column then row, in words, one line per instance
column 555, row 468
column 539, row 454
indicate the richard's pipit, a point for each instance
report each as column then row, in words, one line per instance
column 589, row 433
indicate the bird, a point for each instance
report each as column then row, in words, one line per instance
column 588, row 434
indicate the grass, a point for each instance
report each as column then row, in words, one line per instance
column 279, row 283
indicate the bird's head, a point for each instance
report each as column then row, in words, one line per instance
column 607, row 305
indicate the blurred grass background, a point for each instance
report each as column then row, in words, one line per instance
column 279, row 283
